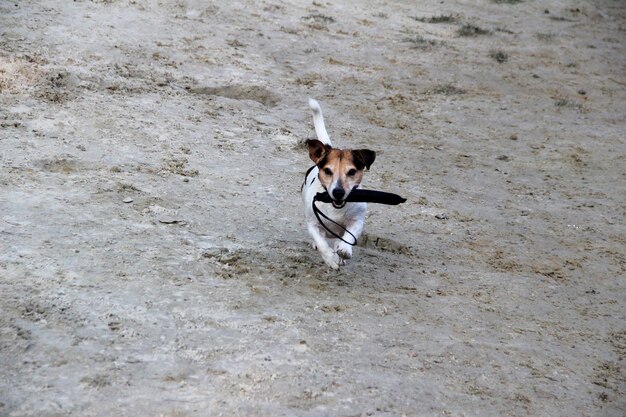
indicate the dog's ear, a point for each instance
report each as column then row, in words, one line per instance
column 317, row 149
column 363, row 158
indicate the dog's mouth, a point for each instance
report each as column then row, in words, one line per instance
column 338, row 204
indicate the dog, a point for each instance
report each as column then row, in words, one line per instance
column 337, row 171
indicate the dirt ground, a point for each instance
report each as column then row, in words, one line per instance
column 154, row 259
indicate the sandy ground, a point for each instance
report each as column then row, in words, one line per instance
column 153, row 253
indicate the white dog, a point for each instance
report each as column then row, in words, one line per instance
column 337, row 171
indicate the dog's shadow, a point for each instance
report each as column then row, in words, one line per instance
column 288, row 262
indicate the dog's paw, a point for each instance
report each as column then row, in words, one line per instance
column 344, row 251
column 332, row 260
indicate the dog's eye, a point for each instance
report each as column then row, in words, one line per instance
column 327, row 171
column 351, row 172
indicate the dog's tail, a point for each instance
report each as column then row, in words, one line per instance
column 318, row 121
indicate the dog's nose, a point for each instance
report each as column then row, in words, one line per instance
column 338, row 193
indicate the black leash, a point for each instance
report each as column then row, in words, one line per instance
column 366, row 196
column 356, row 196
column 318, row 212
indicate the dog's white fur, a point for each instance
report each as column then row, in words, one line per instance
column 352, row 216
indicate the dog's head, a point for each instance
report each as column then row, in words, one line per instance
column 341, row 170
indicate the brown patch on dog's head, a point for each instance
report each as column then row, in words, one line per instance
column 341, row 170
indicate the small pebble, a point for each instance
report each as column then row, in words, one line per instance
column 168, row 220
column 442, row 216
column 582, row 92
column 128, row 200
column 185, row 179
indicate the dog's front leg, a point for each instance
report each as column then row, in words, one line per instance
column 343, row 249
column 328, row 254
